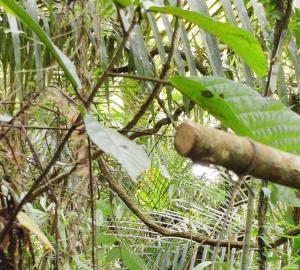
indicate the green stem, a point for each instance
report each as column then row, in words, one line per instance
column 249, row 222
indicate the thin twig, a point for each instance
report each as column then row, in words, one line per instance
column 262, row 209
column 19, row 126
column 157, row 87
column 160, row 123
column 279, row 32
column 282, row 240
column 248, row 228
column 138, row 77
column 57, row 153
column 92, row 204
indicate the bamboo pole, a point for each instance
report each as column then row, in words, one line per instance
column 239, row 154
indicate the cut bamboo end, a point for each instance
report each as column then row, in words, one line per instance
column 185, row 138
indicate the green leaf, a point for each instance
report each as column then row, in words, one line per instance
column 112, row 255
column 285, row 195
column 32, row 226
column 130, row 155
column 239, row 40
column 104, row 207
column 67, row 66
column 242, row 109
column 123, row 3
column 105, row 239
column 247, row 113
column 132, row 260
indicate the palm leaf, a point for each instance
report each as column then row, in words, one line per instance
column 63, row 61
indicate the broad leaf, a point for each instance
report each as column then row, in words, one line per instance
column 132, row 260
column 130, row 155
column 105, row 239
column 242, row 109
column 31, row 225
column 239, row 40
column 67, row 66
column 112, row 255
column 247, row 113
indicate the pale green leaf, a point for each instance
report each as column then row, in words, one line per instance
column 31, row 225
column 202, row 265
column 5, row 118
column 130, row 155
column 105, row 239
column 132, row 260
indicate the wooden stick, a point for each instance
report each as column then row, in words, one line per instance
column 208, row 145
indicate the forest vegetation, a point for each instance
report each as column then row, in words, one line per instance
column 156, row 135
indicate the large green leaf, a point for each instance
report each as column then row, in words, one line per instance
column 132, row 260
column 247, row 113
column 239, row 40
column 242, row 109
column 67, row 66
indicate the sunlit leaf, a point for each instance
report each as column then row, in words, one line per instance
column 130, row 155
column 5, row 118
column 104, row 207
column 112, row 255
column 31, row 225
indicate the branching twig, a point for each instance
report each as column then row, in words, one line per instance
column 157, row 86
column 198, row 62
column 138, row 77
column 57, row 153
column 160, row 123
column 25, row 107
column 279, row 33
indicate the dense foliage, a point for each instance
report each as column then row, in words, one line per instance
column 91, row 93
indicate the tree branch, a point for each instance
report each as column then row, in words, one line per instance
column 65, row 139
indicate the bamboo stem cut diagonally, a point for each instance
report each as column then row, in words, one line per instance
column 208, row 145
